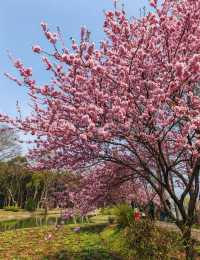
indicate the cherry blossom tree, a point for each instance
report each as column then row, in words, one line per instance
column 133, row 101
column 110, row 184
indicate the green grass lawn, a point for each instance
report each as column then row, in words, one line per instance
column 95, row 241
column 65, row 243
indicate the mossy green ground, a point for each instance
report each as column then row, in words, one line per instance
column 95, row 241
column 64, row 243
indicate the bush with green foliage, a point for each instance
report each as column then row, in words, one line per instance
column 124, row 215
column 31, row 205
column 150, row 242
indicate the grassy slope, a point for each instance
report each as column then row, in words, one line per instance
column 94, row 242
column 31, row 243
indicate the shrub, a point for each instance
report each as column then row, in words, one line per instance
column 31, row 205
column 124, row 215
column 12, row 208
column 149, row 241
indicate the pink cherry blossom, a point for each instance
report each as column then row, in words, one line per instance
column 133, row 102
column 37, row 48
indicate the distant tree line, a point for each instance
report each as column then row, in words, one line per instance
column 24, row 188
column 21, row 187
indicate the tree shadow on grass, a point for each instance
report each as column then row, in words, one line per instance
column 90, row 254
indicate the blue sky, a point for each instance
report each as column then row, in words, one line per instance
column 20, row 29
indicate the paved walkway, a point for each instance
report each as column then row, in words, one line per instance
column 171, row 226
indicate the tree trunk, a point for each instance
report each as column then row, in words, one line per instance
column 198, row 212
column 188, row 242
column 35, row 193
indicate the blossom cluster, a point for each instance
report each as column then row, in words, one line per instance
column 134, row 101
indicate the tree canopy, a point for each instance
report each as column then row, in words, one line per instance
column 133, row 101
